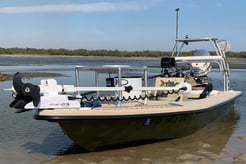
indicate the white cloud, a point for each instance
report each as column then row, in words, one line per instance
column 86, row 7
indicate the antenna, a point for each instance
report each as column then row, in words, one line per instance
column 177, row 22
column 177, row 28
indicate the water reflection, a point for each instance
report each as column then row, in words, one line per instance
column 205, row 144
column 52, row 144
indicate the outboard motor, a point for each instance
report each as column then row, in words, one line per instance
column 201, row 69
column 24, row 93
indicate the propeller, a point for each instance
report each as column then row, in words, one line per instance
column 24, row 93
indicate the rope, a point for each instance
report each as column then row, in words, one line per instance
column 140, row 97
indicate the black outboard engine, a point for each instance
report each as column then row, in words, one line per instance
column 24, row 93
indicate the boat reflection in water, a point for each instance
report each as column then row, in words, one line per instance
column 204, row 145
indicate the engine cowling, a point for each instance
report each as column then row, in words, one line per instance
column 24, row 93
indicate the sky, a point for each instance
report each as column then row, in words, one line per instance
column 131, row 25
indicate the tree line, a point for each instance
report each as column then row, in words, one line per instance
column 84, row 52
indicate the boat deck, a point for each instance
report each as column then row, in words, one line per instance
column 153, row 107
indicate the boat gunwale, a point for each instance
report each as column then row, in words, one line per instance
column 57, row 118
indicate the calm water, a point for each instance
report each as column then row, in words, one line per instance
column 25, row 140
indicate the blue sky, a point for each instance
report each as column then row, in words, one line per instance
column 131, row 25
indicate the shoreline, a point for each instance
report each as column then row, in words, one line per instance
column 28, row 75
column 234, row 63
column 88, row 57
column 229, row 59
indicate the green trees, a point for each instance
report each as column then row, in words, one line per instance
column 102, row 52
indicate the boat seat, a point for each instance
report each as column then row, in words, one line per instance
column 197, row 88
column 201, row 91
column 168, row 82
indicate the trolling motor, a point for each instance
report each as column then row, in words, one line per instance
column 50, row 95
column 24, row 93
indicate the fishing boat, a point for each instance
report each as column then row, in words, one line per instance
column 126, row 104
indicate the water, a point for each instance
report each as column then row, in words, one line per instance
column 26, row 140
